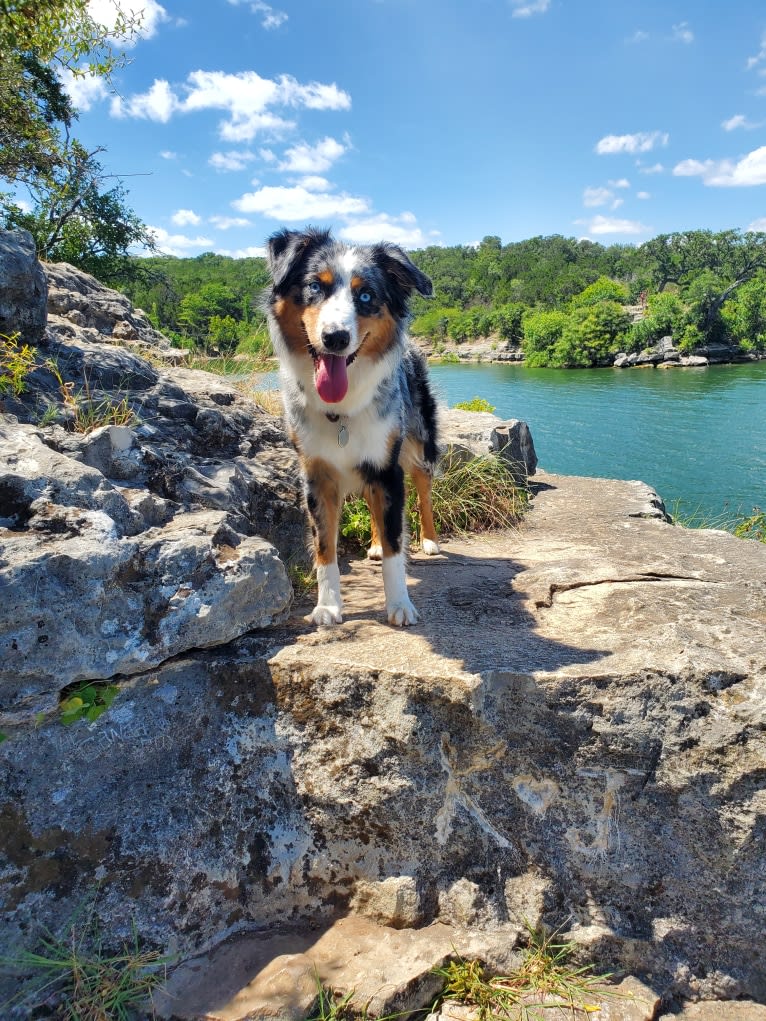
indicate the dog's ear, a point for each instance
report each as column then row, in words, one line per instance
column 404, row 273
column 286, row 252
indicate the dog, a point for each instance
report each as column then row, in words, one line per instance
column 358, row 406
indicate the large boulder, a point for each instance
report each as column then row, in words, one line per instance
column 574, row 735
column 23, row 287
column 468, row 434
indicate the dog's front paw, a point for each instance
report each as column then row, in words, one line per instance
column 326, row 614
column 375, row 553
column 401, row 613
column 430, row 548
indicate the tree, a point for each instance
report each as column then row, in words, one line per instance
column 732, row 257
column 74, row 217
column 38, row 40
column 75, row 220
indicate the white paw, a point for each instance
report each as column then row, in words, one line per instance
column 375, row 553
column 430, row 548
column 326, row 615
column 402, row 614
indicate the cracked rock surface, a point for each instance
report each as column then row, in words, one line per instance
column 574, row 733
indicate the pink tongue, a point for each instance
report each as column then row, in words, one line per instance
column 330, row 378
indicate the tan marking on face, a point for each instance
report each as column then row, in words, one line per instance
column 326, row 277
column 324, row 486
column 357, row 282
column 288, row 316
column 379, row 333
column 310, row 319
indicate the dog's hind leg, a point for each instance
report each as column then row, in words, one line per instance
column 323, row 502
column 429, row 539
column 385, row 496
column 375, row 550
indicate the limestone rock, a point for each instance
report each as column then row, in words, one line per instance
column 23, row 287
column 468, row 434
column 572, row 734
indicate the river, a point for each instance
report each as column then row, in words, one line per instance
column 697, row 436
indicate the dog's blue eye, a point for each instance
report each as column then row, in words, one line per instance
column 315, row 287
column 365, row 296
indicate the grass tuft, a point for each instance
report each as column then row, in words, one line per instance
column 16, row 362
column 546, row 979
column 79, row 980
column 468, row 496
column 85, row 411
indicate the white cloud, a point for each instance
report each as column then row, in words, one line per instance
column 655, row 168
column 150, row 16
column 643, row 195
column 270, row 19
column 84, row 90
column 298, row 203
column 401, row 230
column 746, row 172
column 596, row 196
column 247, row 99
column 738, row 121
column 642, row 141
column 312, row 159
column 682, row 33
column 185, row 217
column 757, row 225
column 526, row 8
column 178, row 244
column 167, row 154
column 227, row 222
column 315, row 183
column 267, row 155
column 234, row 159
column 610, row 225
column 623, row 182
column 251, row 252
column 639, row 36
column 159, row 103
column 759, row 58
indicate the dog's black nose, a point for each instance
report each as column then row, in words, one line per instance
column 336, row 340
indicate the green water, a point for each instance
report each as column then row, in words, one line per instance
column 697, row 436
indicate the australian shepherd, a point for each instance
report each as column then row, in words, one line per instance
column 358, row 406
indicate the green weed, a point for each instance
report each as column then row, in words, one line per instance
column 81, row 981
column 468, row 496
column 544, row 980
column 16, row 362
column 87, row 701
column 85, row 411
column 753, row 527
column 475, row 404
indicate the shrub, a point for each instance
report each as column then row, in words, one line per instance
column 475, row 404
column 16, row 362
column 541, row 332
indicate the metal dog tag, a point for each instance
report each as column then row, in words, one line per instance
column 342, row 436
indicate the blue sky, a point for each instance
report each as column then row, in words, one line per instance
column 435, row 121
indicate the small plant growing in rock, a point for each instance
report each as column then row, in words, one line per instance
column 476, row 404
column 545, row 979
column 75, row 978
column 87, row 702
column 16, row 362
column 85, row 411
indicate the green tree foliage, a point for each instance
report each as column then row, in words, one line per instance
column 542, row 332
column 75, row 220
column 74, row 216
column 744, row 314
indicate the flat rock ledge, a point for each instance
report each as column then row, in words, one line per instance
column 573, row 735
